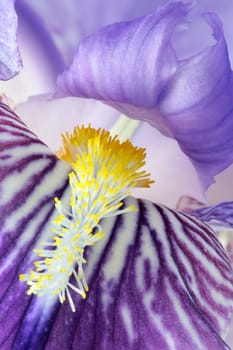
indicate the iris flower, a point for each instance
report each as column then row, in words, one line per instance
column 158, row 278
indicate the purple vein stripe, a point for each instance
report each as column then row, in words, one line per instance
column 30, row 177
column 159, row 280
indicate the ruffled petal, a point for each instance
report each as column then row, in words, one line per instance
column 198, row 107
column 133, row 67
column 10, row 61
column 127, row 64
column 158, row 280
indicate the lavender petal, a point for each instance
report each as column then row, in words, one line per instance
column 133, row 67
column 10, row 61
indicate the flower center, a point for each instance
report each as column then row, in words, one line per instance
column 104, row 170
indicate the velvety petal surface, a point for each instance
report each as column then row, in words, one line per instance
column 10, row 61
column 158, row 280
column 30, row 177
column 127, row 64
column 150, row 288
column 133, row 67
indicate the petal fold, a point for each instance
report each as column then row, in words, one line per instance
column 127, row 64
column 220, row 213
column 10, row 61
column 133, row 67
column 219, row 217
column 198, row 106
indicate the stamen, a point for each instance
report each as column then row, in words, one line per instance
column 104, row 170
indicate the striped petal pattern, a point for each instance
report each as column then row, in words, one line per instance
column 28, row 183
column 158, row 280
column 220, row 218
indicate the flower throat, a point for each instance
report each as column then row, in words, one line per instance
column 104, row 170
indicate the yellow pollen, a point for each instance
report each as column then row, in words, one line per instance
column 104, row 170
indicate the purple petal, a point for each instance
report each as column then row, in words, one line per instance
column 222, row 212
column 158, row 280
column 220, row 218
column 10, row 61
column 112, row 65
column 30, row 177
column 133, row 67
column 61, row 36
column 198, row 106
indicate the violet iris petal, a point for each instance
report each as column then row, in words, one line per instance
column 49, row 18
column 198, row 106
column 219, row 217
column 127, row 64
column 146, row 291
column 10, row 61
column 158, row 280
column 133, row 67
column 220, row 212
column 28, row 184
